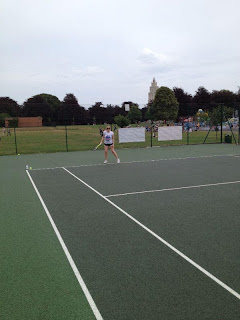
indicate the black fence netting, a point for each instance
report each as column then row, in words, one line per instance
column 73, row 128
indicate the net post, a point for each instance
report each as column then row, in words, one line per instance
column 15, row 138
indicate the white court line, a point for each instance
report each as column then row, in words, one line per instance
column 139, row 161
column 70, row 260
column 226, row 287
column 171, row 189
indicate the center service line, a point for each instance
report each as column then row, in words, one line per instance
column 226, row 287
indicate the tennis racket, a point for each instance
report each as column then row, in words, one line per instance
column 97, row 146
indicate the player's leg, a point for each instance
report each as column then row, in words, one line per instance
column 115, row 153
column 105, row 153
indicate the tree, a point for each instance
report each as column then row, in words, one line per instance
column 10, row 106
column 185, row 100
column 201, row 100
column 119, row 110
column 228, row 98
column 165, row 105
column 144, row 113
column 97, row 112
column 148, row 113
column 110, row 112
column 237, row 106
column 53, row 101
column 121, row 121
column 70, row 112
column 37, row 107
column 134, row 114
column 130, row 103
column 215, row 115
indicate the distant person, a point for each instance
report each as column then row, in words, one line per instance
column 108, row 139
column 8, row 132
column 3, row 131
column 101, row 131
column 115, row 127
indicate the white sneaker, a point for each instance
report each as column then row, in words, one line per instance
column 105, row 161
column 118, row 160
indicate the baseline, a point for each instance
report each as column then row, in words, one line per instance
column 139, row 161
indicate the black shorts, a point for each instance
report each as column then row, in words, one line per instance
column 108, row 144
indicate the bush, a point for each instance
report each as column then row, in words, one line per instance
column 134, row 115
column 2, row 118
column 121, row 121
column 13, row 123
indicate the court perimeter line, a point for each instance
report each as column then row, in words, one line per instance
column 226, row 287
column 70, row 260
column 139, row 161
column 171, row 189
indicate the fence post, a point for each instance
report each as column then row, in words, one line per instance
column 15, row 136
column 151, row 133
column 66, row 135
column 221, row 123
column 188, row 126
column 239, row 124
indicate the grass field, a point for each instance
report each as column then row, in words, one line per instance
column 155, row 237
column 81, row 138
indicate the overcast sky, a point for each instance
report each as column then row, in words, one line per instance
column 109, row 50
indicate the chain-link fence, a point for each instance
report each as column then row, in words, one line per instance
column 66, row 132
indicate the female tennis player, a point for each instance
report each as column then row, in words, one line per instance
column 108, row 139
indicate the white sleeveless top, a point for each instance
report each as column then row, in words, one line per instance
column 108, row 137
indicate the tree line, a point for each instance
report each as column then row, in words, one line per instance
column 167, row 105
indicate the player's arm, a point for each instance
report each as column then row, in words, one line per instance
column 113, row 140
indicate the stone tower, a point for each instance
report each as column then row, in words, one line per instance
column 153, row 90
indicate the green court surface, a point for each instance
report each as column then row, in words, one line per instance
column 154, row 237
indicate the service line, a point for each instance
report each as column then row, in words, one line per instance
column 208, row 274
column 172, row 189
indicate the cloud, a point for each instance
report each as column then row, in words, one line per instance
column 150, row 57
column 156, row 62
column 87, row 71
column 66, row 45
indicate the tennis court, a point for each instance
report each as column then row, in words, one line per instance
column 154, row 237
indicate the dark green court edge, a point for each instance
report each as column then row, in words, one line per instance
column 36, row 279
